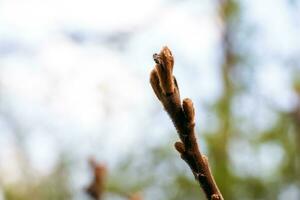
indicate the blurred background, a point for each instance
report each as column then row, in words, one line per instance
column 74, row 83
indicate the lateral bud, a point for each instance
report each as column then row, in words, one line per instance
column 179, row 146
column 188, row 109
column 154, row 80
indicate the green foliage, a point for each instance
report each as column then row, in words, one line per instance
column 55, row 186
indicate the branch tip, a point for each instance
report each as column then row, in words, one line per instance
column 164, row 66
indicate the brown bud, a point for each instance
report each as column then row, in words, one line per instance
column 189, row 110
column 164, row 66
column 154, row 80
column 179, row 146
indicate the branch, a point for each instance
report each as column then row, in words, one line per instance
column 96, row 189
column 166, row 89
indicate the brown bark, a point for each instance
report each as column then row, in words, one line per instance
column 182, row 114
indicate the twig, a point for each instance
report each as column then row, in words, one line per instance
column 96, row 189
column 166, row 89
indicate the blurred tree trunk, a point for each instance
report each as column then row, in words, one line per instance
column 228, row 11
